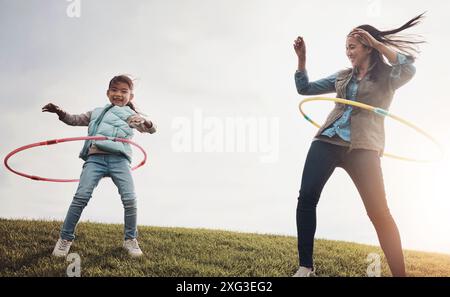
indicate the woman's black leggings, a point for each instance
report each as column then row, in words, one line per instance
column 364, row 168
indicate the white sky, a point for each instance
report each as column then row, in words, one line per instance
column 223, row 59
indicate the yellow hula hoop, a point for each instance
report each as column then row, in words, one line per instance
column 378, row 111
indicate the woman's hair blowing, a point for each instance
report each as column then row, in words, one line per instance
column 405, row 44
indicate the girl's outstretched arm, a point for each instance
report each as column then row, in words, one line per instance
column 72, row 120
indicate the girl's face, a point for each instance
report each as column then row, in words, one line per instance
column 119, row 94
column 357, row 53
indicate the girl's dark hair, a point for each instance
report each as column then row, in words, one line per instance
column 127, row 80
column 406, row 44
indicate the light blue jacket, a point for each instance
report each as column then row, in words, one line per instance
column 110, row 121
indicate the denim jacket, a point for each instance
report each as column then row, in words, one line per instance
column 346, row 85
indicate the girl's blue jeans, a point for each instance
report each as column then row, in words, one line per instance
column 95, row 168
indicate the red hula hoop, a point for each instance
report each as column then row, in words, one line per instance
column 56, row 141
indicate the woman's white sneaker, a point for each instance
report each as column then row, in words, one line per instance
column 132, row 246
column 62, row 248
column 305, row 272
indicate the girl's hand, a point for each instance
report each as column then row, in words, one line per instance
column 136, row 120
column 52, row 108
column 148, row 124
column 141, row 124
column 365, row 38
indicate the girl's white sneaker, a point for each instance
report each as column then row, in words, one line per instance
column 62, row 248
column 132, row 246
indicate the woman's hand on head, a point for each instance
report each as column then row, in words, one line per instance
column 365, row 38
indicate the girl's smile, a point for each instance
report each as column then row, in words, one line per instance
column 119, row 94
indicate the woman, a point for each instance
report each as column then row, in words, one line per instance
column 353, row 138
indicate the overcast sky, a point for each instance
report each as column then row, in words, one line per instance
column 217, row 79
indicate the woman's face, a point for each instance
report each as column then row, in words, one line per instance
column 357, row 53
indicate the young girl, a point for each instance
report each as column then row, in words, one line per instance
column 353, row 139
column 105, row 158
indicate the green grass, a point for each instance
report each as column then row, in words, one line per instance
column 26, row 246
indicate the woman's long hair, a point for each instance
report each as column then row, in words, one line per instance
column 406, row 44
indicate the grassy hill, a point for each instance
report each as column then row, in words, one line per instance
column 26, row 246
